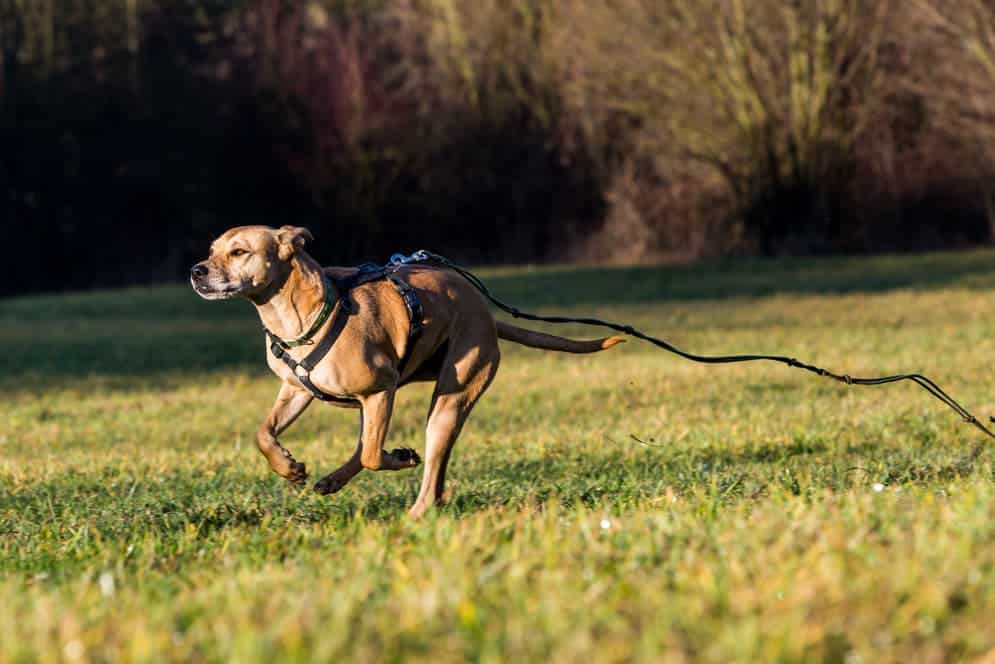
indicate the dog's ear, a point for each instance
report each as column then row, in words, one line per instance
column 291, row 239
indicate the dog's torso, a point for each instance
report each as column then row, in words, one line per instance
column 368, row 352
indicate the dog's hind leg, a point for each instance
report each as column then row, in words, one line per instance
column 290, row 403
column 466, row 374
column 334, row 481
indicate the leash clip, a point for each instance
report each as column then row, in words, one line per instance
column 400, row 260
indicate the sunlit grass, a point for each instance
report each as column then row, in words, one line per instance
column 766, row 514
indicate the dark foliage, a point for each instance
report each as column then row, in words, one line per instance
column 132, row 135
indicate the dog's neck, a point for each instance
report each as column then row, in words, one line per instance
column 289, row 307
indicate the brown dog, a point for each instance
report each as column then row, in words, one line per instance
column 369, row 360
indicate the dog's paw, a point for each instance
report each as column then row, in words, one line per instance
column 406, row 456
column 287, row 467
column 330, row 484
column 297, row 473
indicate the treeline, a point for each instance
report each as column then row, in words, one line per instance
column 131, row 131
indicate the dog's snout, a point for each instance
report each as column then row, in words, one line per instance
column 198, row 270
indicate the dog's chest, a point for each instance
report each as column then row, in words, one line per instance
column 325, row 376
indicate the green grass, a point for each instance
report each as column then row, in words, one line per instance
column 769, row 516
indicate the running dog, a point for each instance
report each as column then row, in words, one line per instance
column 372, row 352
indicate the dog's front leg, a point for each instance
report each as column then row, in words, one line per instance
column 290, row 402
column 377, row 409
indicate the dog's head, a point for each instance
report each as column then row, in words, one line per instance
column 247, row 260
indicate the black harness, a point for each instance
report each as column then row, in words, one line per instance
column 338, row 305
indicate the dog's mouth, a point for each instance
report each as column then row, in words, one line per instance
column 215, row 292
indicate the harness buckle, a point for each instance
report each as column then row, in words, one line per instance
column 277, row 350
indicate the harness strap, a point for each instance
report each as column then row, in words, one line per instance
column 416, row 316
column 303, row 368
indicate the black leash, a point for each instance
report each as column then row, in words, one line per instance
column 920, row 380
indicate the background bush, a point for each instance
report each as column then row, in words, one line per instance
column 131, row 131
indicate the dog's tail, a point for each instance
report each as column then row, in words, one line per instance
column 534, row 339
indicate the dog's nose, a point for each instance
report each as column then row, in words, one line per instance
column 198, row 270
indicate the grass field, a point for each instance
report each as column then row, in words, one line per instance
column 768, row 515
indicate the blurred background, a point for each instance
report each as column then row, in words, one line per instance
column 133, row 131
